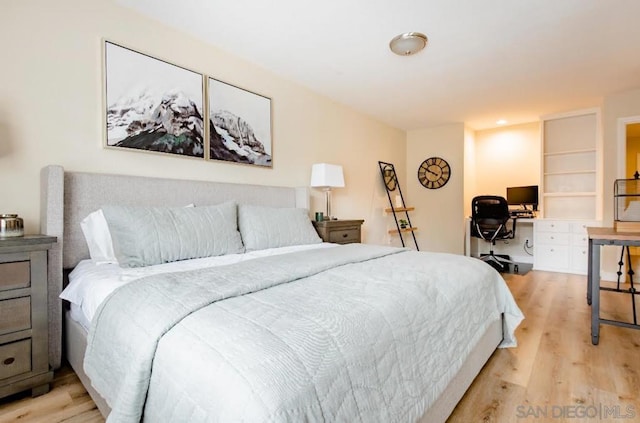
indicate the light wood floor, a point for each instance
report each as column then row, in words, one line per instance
column 67, row 401
column 554, row 370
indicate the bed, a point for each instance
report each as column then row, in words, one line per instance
column 317, row 332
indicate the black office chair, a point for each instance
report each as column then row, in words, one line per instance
column 489, row 217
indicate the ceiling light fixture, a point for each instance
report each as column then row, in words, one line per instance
column 408, row 43
column 501, row 122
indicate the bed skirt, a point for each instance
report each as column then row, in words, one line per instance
column 75, row 344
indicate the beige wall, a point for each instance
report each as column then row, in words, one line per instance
column 470, row 170
column 507, row 156
column 482, row 162
column 615, row 107
column 501, row 157
column 439, row 212
column 51, row 112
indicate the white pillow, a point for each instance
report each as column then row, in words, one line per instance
column 96, row 233
column 98, row 238
column 272, row 227
column 145, row 236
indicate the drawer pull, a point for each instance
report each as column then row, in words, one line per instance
column 8, row 361
column 345, row 235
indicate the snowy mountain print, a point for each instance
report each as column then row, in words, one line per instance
column 233, row 139
column 239, row 125
column 166, row 122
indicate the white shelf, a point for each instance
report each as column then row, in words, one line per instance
column 570, row 172
column 561, row 153
column 574, row 162
column 569, row 194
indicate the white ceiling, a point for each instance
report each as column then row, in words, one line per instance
column 486, row 60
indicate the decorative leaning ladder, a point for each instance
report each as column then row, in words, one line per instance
column 391, row 183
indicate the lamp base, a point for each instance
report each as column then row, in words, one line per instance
column 327, row 193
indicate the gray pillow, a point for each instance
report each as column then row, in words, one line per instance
column 144, row 236
column 271, row 227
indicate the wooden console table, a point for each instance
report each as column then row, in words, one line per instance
column 597, row 238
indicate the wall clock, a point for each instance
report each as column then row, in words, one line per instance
column 389, row 174
column 434, row 173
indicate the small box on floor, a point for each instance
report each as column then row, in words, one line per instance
column 500, row 267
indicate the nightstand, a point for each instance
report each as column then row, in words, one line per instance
column 24, row 333
column 339, row 231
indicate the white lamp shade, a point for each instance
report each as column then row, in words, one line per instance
column 325, row 175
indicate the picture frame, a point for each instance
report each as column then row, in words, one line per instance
column 239, row 125
column 152, row 105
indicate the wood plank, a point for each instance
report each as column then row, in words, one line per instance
column 598, row 233
column 410, row 229
column 399, row 209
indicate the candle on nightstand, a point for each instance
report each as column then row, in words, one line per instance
column 398, row 202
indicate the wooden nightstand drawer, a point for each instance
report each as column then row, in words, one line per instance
column 14, row 275
column 15, row 358
column 344, row 236
column 339, row 231
column 15, row 314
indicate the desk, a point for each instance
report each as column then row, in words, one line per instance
column 518, row 241
column 597, row 238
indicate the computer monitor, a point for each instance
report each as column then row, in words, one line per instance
column 523, row 196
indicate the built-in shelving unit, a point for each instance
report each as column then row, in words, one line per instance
column 570, row 165
column 571, row 190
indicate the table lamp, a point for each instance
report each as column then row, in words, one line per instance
column 327, row 176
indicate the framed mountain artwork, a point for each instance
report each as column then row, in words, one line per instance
column 152, row 105
column 239, row 125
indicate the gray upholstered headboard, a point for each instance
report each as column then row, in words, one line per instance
column 68, row 197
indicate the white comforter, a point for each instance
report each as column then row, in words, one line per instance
column 353, row 333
